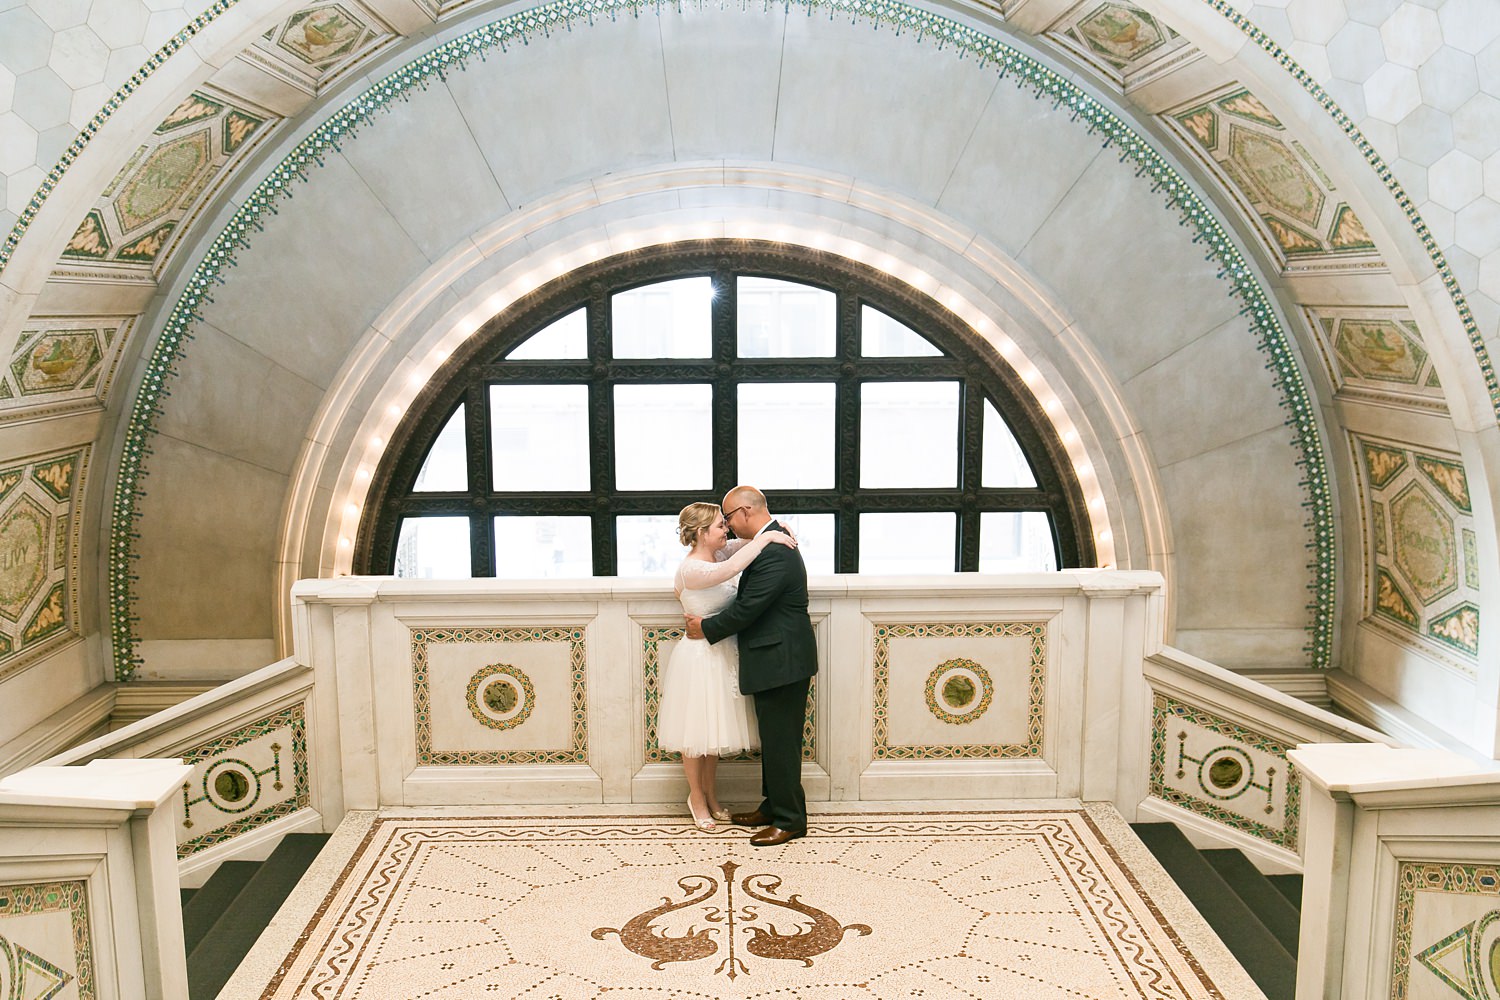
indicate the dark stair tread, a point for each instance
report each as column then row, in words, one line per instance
column 213, row 898
column 225, row 944
column 1274, row 910
column 1269, row 964
column 1289, row 886
column 187, row 895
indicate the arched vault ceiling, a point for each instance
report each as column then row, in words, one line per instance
column 153, row 153
column 409, row 173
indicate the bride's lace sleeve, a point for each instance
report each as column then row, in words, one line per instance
column 695, row 574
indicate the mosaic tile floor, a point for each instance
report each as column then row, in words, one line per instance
column 1033, row 904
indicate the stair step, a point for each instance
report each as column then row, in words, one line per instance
column 225, row 944
column 1289, row 886
column 1274, row 910
column 213, row 898
column 1254, row 946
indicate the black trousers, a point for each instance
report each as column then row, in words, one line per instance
column 780, row 712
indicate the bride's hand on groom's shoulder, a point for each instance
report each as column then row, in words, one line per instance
column 782, row 537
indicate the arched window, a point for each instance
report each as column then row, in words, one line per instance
column 565, row 436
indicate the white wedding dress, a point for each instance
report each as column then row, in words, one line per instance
column 702, row 711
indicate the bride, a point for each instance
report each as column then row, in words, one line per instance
column 702, row 712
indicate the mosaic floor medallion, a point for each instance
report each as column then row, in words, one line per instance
column 1019, row 904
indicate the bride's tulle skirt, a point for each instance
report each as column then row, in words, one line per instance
column 702, row 710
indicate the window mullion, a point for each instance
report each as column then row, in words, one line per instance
column 846, row 431
column 725, row 347
column 970, row 457
column 601, row 433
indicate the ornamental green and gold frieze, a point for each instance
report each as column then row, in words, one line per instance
column 45, row 942
column 1223, row 771
column 652, row 639
column 966, row 690
column 490, row 696
column 1447, row 930
column 244, row 780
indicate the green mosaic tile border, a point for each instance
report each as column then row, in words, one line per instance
column 91, row 128
column 1024, row 71
column 292, row 717
column 651, row 671
column 1445, row 876
column 51, row 897
column 1387, row 177
column 573, row 635
column 1036, row 691
column 1163, row 709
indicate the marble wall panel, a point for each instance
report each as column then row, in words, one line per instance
column 199, row 580
column 1447, row 925
column 823, row 58
column 335, row 255
column 1421, row 552
column 539, row 91
column 1108, row 246
column 1005, row 188
column 1221, row 770
column 971, row 690
column 488, row 696
column 1239, row 506
column 46, row 940
column 720, row 104
column 439, row 200
column 260, row 416
column 243, row 780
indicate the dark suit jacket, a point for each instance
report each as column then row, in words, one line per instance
column 769, row 614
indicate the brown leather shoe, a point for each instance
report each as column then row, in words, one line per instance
column 752, row 818
column 774, row 836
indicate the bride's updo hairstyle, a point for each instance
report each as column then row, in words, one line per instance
column 693, row 519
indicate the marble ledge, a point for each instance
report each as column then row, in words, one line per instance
column 356, row 590
column 1376, row 776
column 133, row 786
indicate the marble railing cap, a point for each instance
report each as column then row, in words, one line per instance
column 1367, row 770
column 136, row 785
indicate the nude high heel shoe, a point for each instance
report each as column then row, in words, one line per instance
column 706, row 825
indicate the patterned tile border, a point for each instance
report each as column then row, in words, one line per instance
column 52, row 897
column 1025, row 72
column 1035, row 699
column 651, row 670
column 1163, row 709
column 573, row 635
column 219, row 749
column 1444, row 876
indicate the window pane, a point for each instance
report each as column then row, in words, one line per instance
column 814, row 539
column 1003, row 464
column 663, row 437
column 882, row 337
column 784, row 319
column 907, row 543
column 786, row 435
column 539, row 436
column 1016, row 542
column 446, row 466
column 669, row 319
column 908, row 434
column 562, row 340
column 648, row 545
column 433, row 548
column 532, row 547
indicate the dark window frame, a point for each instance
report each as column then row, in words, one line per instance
column 467, row 375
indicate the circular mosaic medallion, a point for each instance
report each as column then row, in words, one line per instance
column 501, row 696
column 959, row 691
column 231, row 786
column 1225, row 773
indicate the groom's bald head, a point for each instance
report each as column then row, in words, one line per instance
column 745, row 510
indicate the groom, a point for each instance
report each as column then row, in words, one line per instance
column 778, row 657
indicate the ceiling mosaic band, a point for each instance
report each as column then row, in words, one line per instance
column 91, row 129
column 1387, row 177
column 1025, row 72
